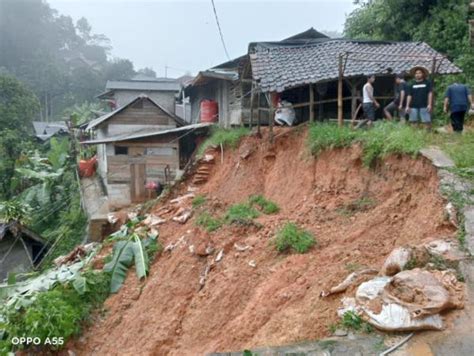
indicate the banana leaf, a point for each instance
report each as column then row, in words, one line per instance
column 141, row 257
column 122, row 259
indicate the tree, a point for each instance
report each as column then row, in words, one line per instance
column 18, row 104
column 148, row 72
column 119, row 69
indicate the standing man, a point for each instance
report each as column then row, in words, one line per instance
column 420, row 97
column 369, row 104
column 399, row 101
column 458, row 98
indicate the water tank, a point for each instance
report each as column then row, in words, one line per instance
column 209, row 111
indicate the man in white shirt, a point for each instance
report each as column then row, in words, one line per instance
column 369, row 104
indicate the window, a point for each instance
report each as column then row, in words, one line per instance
column 161, row 151
column 121, row 150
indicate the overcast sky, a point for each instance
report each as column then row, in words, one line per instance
column 183, row 34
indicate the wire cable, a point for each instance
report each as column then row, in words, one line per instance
column 220, row 30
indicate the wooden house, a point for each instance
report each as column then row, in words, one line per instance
column 20, row 248
column 140, row 143
column 320, row 76
column 161, row 90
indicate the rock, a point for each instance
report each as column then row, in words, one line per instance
column 219, row 256
column 241, row 248
column 252, row 263
column 340, row 332
column 204, row 249
column 153, row 220
column 208, row 158
column 191, row 249
column 437, row 157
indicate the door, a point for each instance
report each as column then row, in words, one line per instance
column 137, row 182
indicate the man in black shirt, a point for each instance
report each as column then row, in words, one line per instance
column 399, row 101
column 420, row 97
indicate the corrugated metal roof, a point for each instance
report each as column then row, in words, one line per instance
column 162, row 84
column 146, row 133
column 107, row 116
column 282, row 65
column 45, row 130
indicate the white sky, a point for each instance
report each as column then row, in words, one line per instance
column 184, row 35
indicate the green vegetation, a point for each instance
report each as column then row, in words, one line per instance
column 198, row 200
column 352, row 321
column 293, row 238
column 57, row 313
column 225, row 137
column 383, row 139
column 267, row 206
column 208, row 222
column 327, row 136
column 361, row 204
column 242, row 213
column 461, row 148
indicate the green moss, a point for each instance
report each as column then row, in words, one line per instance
column 241, row 213
column 267, row 206
column 208, row 222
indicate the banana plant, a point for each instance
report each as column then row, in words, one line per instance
column 124, row 254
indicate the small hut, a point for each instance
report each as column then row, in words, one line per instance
column 20, row 248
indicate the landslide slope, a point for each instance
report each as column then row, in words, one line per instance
column 358, row 215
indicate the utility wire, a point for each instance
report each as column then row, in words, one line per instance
column 220, row 30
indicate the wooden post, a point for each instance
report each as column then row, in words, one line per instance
column 340, row 118
column 311, row 103
column 433, row 73
column 272, row 114
column 353, row 98
column 251, row 108
column 258, row 114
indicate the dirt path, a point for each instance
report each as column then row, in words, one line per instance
column 357, row 215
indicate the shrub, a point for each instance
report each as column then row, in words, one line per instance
column 208, row 222
column 198, row 200
column 267, row 206
column 225, row 137
column 59, row 312
column 241, row 213
column 291, row 237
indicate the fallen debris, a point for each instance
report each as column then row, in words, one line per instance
column 452, row 214
column 112, row 218
column 396, row 261
column 153, row 220
column 75, row 255
column 183, row 217
column 241, row 248
column 252, row 263
column 182, row 198
column 203, row 277
column 350, row 279
column 219, row 256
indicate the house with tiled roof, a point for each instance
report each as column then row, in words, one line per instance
column 320, row 76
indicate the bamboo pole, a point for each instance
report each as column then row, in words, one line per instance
column 340, row 118
column 311, row 103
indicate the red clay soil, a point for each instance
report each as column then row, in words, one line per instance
column 277, row 301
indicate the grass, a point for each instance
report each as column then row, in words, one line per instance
column 383, row 139
column 361, row 204
column 242, row 213
column 208, row 222
column 461, row 148
column 225, row 137
column 293, row 238
column 267, row 206
column 198, row 200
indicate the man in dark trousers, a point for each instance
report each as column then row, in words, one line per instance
column 399, row 101
column 420, row 97
column 457, row 99
column 369, row 104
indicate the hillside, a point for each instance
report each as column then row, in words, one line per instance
column 198, row 300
